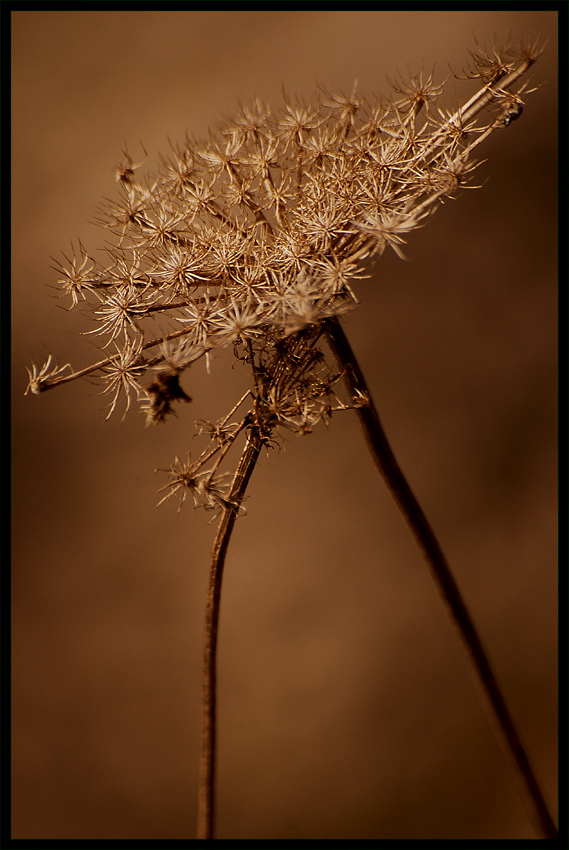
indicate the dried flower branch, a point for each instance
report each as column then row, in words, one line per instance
column 442, row 576
column 251, row 240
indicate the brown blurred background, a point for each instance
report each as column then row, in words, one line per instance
column 347, row 709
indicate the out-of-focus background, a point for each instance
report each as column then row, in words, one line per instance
column 346, row 706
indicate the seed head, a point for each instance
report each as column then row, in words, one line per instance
column 253, row 238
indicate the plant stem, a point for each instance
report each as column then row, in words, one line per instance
column 206, row 788
column 440, row 572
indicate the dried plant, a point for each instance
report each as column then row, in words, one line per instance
column 251, row 241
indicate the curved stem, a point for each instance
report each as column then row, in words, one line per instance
column 206, row 787
column 440, row 571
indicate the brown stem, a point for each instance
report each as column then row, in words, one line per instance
column 206, row 786
column 440, row 571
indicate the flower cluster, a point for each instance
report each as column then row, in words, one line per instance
column 252, row 239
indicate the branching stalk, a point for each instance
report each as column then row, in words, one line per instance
column 440, row 571
column 206, row 790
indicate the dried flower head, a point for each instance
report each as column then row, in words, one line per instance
column 252, row 239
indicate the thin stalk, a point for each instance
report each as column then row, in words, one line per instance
column 206, row 787
column 440, row 572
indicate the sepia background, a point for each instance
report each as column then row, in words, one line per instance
column 346, row 706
